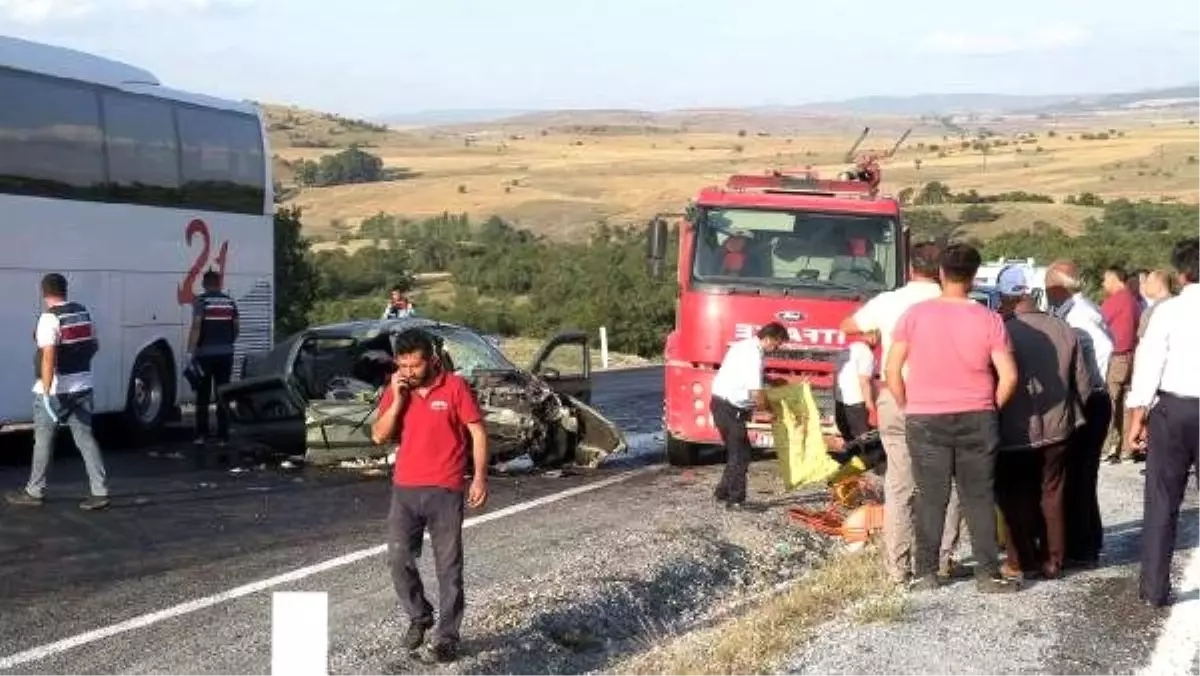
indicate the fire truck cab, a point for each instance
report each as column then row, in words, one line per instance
column 784, row 247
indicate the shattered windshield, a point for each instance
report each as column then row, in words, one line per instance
column 470, row 352
column 796, row 250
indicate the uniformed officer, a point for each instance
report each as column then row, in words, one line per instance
column 1164, row 406
column 210, row 349
column 62, row 392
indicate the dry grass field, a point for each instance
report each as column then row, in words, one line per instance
column 558, row 178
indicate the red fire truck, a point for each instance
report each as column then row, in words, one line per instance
column 782, row 246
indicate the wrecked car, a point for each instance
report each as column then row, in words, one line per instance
column 315, row 394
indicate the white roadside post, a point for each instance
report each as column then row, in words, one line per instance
column 603, row 348
column 300, row 633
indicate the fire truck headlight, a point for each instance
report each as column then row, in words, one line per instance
column 698, row 404
column 697, row 389
column 701, row 420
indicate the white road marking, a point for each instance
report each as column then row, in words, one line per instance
column 51, row 649
column 300, row 633
column 1178, row 645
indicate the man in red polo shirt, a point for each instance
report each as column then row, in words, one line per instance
column 432, row 412
column 1121, row 311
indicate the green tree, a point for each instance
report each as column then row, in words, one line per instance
column 295, row 273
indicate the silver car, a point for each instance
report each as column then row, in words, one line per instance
column 315, row 395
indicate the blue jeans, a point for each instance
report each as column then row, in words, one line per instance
column 75, row 411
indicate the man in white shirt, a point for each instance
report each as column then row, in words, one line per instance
column 854, row 391
column 1081, row 505
column 62, row 392
column 737, row 390
column 1164, row 400
column 881, row 314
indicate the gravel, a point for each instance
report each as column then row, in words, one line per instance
column 619, row 584
column 1088, row 622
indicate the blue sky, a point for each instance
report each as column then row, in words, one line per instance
column 371, row 57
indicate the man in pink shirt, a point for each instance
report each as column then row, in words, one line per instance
column 960, row 371
column 1121, row 310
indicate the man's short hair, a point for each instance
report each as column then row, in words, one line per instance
column 774, row 331
column 211, row 278
column 924, row 259
column 1165, row 278
column 54, row 284
column 1184, row 258
column 960, row 262
column 414, row 341
column 1119, row 272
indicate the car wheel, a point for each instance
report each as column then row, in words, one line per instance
column 151, row 394
column 681, row 453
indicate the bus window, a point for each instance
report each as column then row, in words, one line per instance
column 51, row 144
column 143, row 155
column 223, row 166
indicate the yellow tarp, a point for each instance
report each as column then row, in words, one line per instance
column 799, row 442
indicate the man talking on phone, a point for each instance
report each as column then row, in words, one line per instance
column 432, row 413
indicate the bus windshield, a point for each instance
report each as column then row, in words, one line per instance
column 796, row 250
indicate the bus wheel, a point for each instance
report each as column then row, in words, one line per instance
column 682, row 453
column 151, row 393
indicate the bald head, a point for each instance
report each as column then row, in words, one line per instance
column 1063, row 273
column 1062, row 281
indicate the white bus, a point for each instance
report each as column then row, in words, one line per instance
column 132, row 191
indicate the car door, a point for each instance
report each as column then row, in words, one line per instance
column 293, row 409
column 565, row 364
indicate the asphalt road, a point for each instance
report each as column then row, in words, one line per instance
column 554, row 579
column 174, row 534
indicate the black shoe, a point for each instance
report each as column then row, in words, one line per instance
column 996, row 584
column 924, row 583
column 445, row 651
column 415, row 636
column 94, row 503
column 22, row 497
column 735, row 506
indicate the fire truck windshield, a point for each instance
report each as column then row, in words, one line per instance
column 801, row 251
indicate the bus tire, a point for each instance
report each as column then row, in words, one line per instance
column 151, row 394
column 682, row 453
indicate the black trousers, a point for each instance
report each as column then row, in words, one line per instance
column 1029, row 491
column 1174, row 425
column 441, row 511
column 731, row 423
column 852, row 420
column 1081, row 506
column 217, row 372
column 962, row 447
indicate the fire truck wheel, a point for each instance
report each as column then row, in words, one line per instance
column 682, row 453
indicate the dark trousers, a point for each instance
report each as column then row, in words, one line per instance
column 1081, row 506
column 731, row 423
column 217, row 371
column 1029, row 491
column 441, row 511
column 852, row 420
column 962, row 447
column 1174, row 426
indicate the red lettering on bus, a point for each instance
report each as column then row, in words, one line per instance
column 185, row 293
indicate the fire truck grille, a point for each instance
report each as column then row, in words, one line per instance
column 823, row 356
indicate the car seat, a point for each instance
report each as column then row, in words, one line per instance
column 734, row 259
column 857, row 266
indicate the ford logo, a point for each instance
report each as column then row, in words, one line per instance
column 789, row 315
